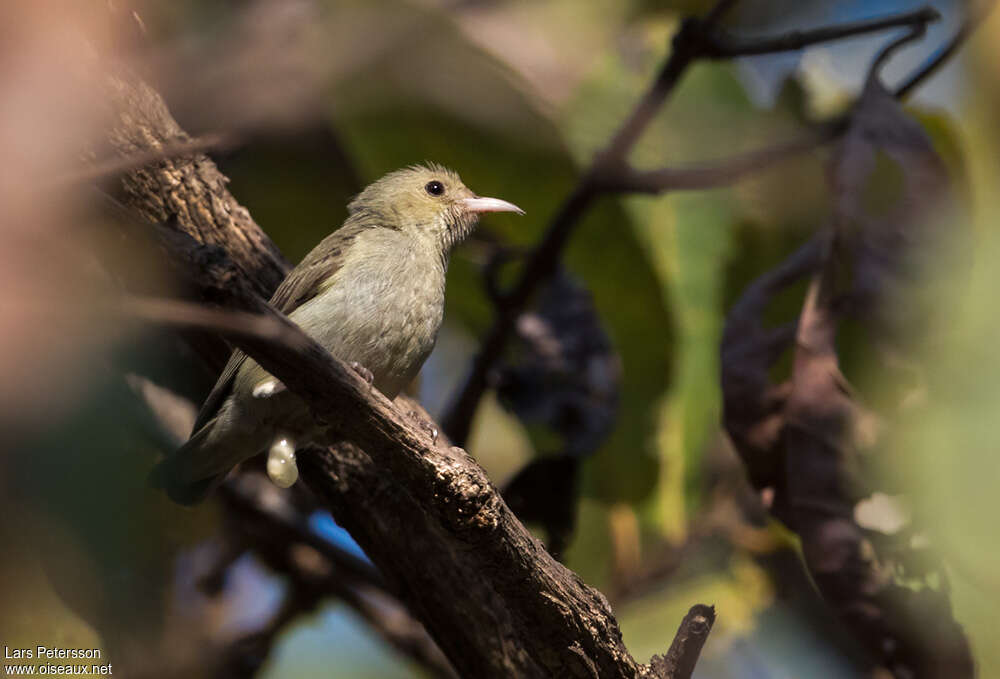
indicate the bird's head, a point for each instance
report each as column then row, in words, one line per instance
column 430, row 201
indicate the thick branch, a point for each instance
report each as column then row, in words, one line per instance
column 426, row 514
column 186, row 193
column 544, row 620
column 519, row 612
column 458, row 531
column 119, row 164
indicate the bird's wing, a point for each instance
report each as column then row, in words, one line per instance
column 301, row 285
column 220, row 391
column 305, row 281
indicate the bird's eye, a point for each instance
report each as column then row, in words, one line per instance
column 435, row 188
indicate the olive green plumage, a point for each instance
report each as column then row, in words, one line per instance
column 371, row 293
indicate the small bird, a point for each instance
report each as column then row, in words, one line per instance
column 372, row 293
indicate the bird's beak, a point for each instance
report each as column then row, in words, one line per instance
column 478, row 204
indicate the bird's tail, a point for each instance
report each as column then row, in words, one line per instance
column 177, row 476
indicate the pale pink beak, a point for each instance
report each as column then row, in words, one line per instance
column 478, row 204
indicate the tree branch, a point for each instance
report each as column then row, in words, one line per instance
column 688, row 46
column 805, row 438
column 541, row 619
column 609, row 171
column 723, row 173
column 425, row 513
column 171, row 150
column 261, row 518
column 684, row 651
column 916, row 31
column 724, row 46
column 280, row 519
column 186, row 194
column 971, row 22
column 545, row 621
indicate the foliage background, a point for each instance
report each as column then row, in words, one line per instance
column 518, row 96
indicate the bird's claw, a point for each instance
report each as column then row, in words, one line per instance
column 424, row 424
column 365, row 373
column 430, row 429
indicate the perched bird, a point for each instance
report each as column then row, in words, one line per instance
column 372, row 293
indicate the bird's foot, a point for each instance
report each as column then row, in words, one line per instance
column 281, row 465
column 425, row 425
column 430, row 429
column 365, row 373
column 268, row 387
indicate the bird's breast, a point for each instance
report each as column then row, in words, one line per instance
column 381, row 309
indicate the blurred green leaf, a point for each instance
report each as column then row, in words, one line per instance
column 686, row 237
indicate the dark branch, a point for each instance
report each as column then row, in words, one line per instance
column 425, row 513
column 971, row 22
column 474, row 512
column 726, row 46
column 222, row 321
column 688, row 46
column 555, row 625
column 609, row 171
column 724, row 173
column 280, row 519
column 802, row 438
column 684, row 651
column 260, row 517
column 186, row 193
column 547, row 622
column 916, row 31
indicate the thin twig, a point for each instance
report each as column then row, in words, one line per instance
column 726, row 46
column 189, row 314
column 274, row 530
column 688, row 45
column 280, row 520
column 724, row 173
column 916, row 31
column 404, row 633
column 971, row 22
column 695, row 40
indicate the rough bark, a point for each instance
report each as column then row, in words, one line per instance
column 186, row 191
column 680, row 660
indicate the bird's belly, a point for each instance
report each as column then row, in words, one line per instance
column 389, row 329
